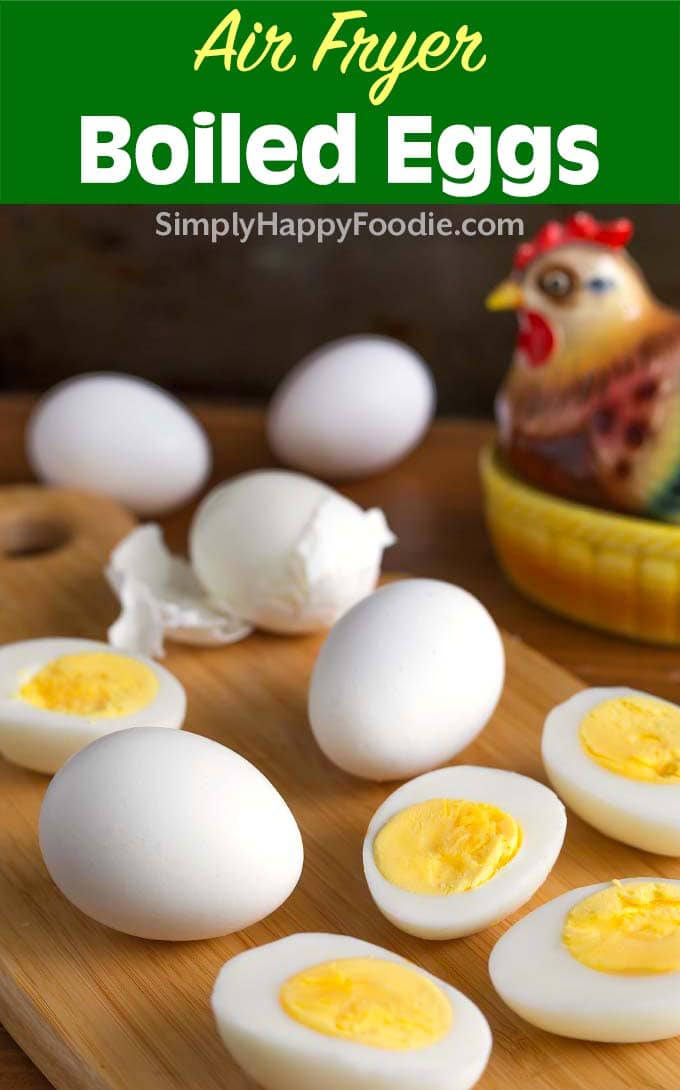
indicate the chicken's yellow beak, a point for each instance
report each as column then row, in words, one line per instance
column 507, row 296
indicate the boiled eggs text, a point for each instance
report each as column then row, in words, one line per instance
column 354, row 407
column 405, row 679
column 601, row 963
column 168, row 835
column 613, row 755
column 58, row 695
column 285, row 552
column 460, row 848
column 316, row 1011
column 121, row 436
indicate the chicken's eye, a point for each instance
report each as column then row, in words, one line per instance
column 556, row 282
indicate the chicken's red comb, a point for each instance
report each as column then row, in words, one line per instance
column 581, row 227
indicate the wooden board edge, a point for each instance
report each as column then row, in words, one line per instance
column 41, row 1042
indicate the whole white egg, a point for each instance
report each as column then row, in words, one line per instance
column 330, row 1012
column 121, row 436
column 168, row 835
column 406, row 679
column 58, row 695
column 534, row 971
column 286, row 552
column 354, row 407
column 458, row 849
column 626, row 783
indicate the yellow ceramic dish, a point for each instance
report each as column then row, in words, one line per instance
column 611, row 571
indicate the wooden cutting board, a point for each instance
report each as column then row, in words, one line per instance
column 98, row 1010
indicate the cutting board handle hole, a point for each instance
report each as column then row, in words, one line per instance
column 32, row 535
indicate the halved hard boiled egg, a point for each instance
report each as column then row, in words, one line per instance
column 460, row 848
column 58, row 695
column 613, row 755
column 316, row 1011
column 601, row 963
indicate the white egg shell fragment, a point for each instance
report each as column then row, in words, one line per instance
column 354, row 407
column 168, row 835
column 541, row 817
column 282, row 1054
column 285, row 552
column 41, row 739
column 161, row 597
column 534, row 973
column 644, row 815
column 120, row 436
column 406, row 680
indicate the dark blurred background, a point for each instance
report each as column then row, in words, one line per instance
column 93, row 288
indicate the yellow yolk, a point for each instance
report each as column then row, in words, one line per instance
column 95, row 685
column 445, row 846
column 369, row 1000
column 632, row 928
column 634, row 736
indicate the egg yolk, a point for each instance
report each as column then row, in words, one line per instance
column 94, row 685
column 634, row 736
column 632, row 928
column 371, row 1001
column 445, row 846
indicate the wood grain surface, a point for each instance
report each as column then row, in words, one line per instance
column 99, row 1010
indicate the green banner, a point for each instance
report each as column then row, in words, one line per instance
column 139, row 101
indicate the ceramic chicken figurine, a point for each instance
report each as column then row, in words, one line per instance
column 590, row 407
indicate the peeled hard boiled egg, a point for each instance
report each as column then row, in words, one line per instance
column 121, row 436
column 353, row 407
column 58, row 695
column 405, row 679
column 285, row 552
column 458, row 849
column 613, row 755
column 329, row 1012
column 168, row 835
column 601, row 963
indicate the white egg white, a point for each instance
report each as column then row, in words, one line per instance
column 535, row 807
column 353, row 407
column 282, row 1054
column 406, row 679
column 644, row 815
column 534, row 973
column 168, row 835
column 43, row 740
column 285, row 552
